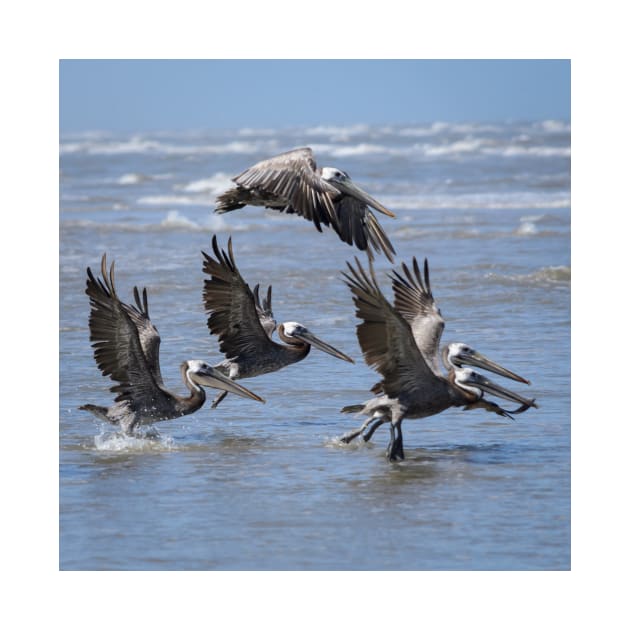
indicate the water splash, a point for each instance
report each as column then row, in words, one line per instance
column 142, row 441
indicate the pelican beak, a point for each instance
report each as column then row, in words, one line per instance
column 310, row 338
column 350, row 188
column 213, row 378
column 493, row 389
column 477, row 359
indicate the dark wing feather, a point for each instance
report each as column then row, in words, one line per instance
column 231, row 307
column 414, row 301
column 115, row 337
column 147, row 332
column 386, row 338
column 359, row 226
column 265, row 314
column 292, row 178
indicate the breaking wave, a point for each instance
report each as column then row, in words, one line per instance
column 174, row 220
column 546, row 276
column 439, row 139
column 489, row 201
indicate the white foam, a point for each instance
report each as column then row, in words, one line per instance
column 149, row 440
column 554, row 275
column 130, row 179
column 341, row 146
column 467, row 146
column 214, row 185
column 490, row 201
column 263, row 131
column 141, row 145
column 212, row 222
column 420, row 132
column 540, row 151
column 555, row 126
column 334, row 130
column 174, row 200
column 533, row 218
column 444, row 127
column 527, row 228
column 360, row 149
column 460, row 146
column 175, row 219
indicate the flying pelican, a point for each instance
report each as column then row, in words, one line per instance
column 126, row 348
column 402, row 343
column 292, row 183
column 244, row 326
column 378, row 409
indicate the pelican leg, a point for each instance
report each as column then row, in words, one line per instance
column 377, row 419
column 370, row 432
column 395, row 447
column 348, row 437
column 218, row 399
column 390, row 446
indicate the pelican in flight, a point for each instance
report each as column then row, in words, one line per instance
column 126, row 348
column 402, row 343
column 292, row 183
column 244, row 326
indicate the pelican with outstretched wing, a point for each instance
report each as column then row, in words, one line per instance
column 402, row 343
column 126, row 348
column 245, row 326
column 292, row 183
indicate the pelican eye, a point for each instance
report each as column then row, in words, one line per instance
column 291, row 328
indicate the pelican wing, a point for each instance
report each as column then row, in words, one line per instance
column 147, row 332
column 265, row 314
column 292, row 177
column 119, row 333
column 386, row 338
column 231, row 307
column 414, row 301
column 358, row 226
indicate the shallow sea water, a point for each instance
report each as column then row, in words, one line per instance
column 260, row 487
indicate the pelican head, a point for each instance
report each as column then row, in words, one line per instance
column 289, row 332
column 457, row 354
column 342, row 182
column 477, row 385
column 199, row 373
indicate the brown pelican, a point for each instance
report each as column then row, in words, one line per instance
column 378, row 409
column 292, row 183
column 402, row 343
column 244, row 326
column 126, row 348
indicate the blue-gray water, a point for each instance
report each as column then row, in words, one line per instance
column 251, row 486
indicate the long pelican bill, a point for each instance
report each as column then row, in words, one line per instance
column 472, row 357
column 352, row 189
column 310, row 338
column 211, row 377
column 492, row 388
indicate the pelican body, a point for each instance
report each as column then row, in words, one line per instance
column 292, row 183
column 126, row 348
column 245, row 326
column 402, row 343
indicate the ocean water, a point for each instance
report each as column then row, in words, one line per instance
column 270, row 487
